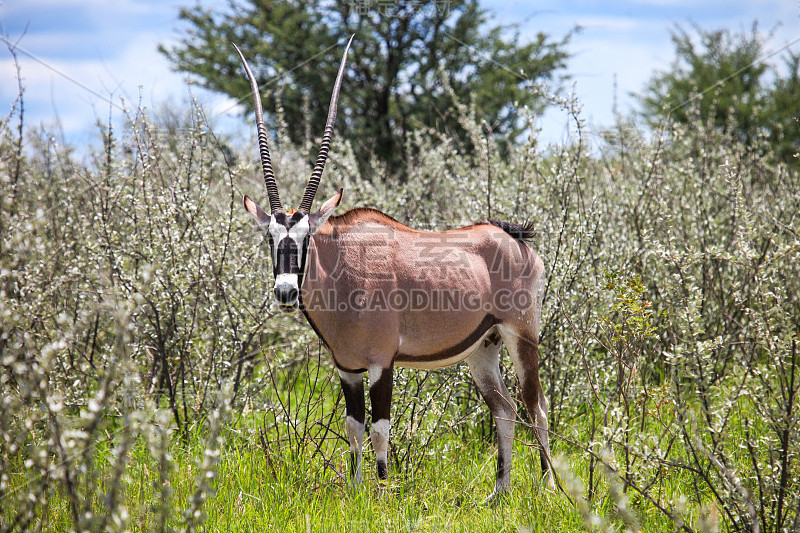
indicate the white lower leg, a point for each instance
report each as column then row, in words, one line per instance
column 380, row 443
column 355, row 433
column 505, row 444
column 544, row 439
column 380, row 392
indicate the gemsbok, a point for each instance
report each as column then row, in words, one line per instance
column 380, row 294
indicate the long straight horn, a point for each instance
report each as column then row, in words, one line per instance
column 263, row 147
column 313, row 182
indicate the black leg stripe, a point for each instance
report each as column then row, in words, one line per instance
column 380, row 393
column 354, row 400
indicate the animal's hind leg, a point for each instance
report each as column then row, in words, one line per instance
column 484, row 365
column 524, row 352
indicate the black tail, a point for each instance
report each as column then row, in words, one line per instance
column 521, row 232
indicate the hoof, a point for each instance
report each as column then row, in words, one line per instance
column 355, row 484
column 550, row 481
column 494, row 498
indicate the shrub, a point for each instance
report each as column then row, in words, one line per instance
column 135, row 303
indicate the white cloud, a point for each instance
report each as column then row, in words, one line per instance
column 631, row 40
column 111, row 46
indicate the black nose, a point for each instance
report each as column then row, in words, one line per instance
column 286, row 294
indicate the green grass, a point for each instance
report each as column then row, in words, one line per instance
column 268, row 477
column 256, row 491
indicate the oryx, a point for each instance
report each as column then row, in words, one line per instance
column 380, row 294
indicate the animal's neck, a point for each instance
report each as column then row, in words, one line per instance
column 320, row 258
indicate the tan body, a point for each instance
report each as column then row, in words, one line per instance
column 440, row 289
column 381, row 294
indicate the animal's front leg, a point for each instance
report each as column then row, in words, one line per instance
column 380, row 394
column 353, row 389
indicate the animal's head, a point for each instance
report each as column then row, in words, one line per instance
column 289, row 232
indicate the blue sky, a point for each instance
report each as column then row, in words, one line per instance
column 109, row 47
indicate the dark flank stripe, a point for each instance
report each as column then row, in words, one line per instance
column 488, row 321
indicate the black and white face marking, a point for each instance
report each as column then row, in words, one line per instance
column 288, row 239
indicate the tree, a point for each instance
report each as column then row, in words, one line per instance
column 392, row 86
column 783, row 112
column 725, row 77
column 722, row 77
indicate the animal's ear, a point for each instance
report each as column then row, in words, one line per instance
column 316, row 220
column 262, row 217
